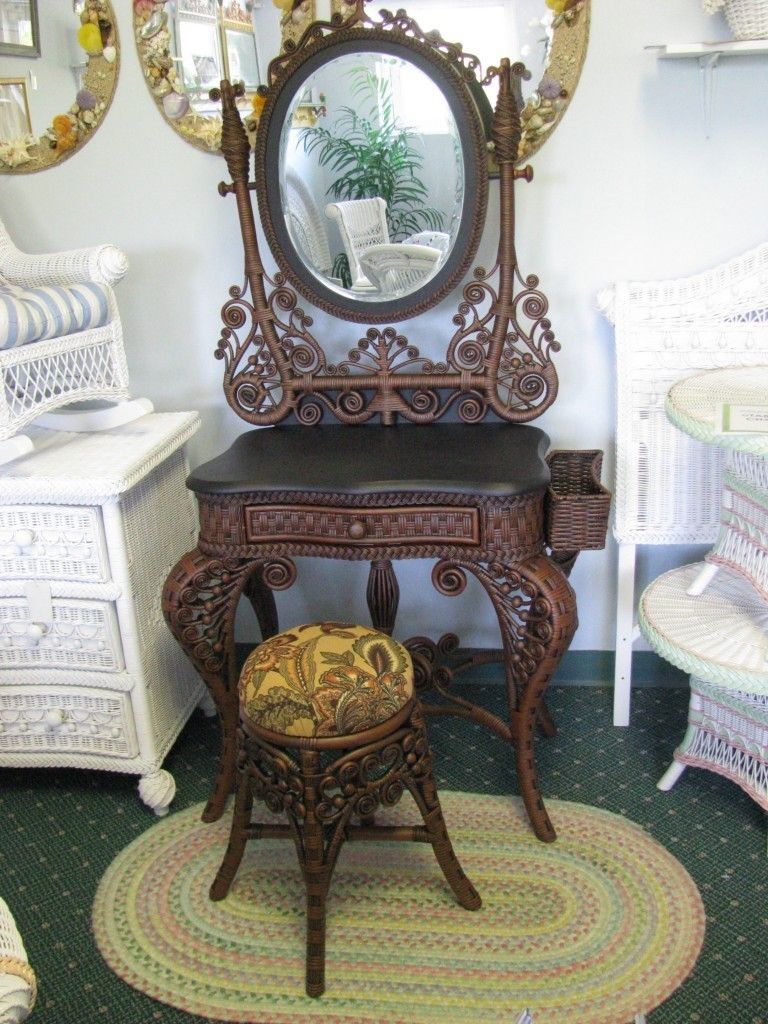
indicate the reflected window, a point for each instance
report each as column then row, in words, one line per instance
column 215, row 39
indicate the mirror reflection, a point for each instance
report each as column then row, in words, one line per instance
column 186, row 47
column 51, row 103
column 371, row 176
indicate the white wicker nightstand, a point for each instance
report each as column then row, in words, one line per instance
column 90, row 675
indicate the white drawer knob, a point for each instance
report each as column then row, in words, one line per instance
column 35, row 633
column 54, row 719
column 23, row 539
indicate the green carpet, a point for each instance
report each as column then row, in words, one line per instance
column 60, row 830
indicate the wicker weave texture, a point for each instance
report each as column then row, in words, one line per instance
column 668, row 486
column 693, row 404
column 728, row 734
column 98, row 682
column 577, row 504
column 720, row 636
column 747, row 19
column 42, row 377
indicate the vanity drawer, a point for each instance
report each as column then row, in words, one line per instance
column 61, row 719
column 82, row 634
column 52, row 542
column 387, row 527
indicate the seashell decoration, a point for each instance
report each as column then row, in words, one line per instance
column 158, row 19
column 15, row 998
column 175, row 105
column 110, row 54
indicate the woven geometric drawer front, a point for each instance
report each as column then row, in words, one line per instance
column 83, row 634
column 52, row 542
column 50, row 718
column 350, row 526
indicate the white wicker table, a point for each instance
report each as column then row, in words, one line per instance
column 90, row 676
column 711, row 618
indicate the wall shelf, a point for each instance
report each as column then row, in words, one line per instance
column 708, row 56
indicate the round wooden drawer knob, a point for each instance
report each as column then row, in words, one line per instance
column 23, row 539
column 357, row 530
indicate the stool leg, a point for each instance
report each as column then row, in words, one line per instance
column 238, row 836
column 421, row 783
column 316, row 877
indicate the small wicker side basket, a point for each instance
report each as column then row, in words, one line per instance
column 577, row 504
column 748, row 19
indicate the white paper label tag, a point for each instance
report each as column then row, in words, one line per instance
column 742, row 419
column 38, row 597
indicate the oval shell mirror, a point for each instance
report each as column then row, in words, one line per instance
column 58, row 70
column 186, row 47
column 370, row 172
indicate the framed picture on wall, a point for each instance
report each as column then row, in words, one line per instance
column 19, row 28
column 15, row 121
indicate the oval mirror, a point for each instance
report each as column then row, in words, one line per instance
column 549, row 36
column 58, row 71
column 186, row 47
column 370, row 172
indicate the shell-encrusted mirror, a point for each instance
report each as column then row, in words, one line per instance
column 186, row 47
column 54, row 93
column 548, row 36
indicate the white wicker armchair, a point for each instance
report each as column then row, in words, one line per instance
column 668, row 486
column 18, row 986
column 42, row 376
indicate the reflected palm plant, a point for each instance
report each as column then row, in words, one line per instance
column 374, row 155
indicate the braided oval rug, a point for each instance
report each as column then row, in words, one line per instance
column 599, row 926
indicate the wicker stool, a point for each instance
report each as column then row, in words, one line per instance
column 330, row 730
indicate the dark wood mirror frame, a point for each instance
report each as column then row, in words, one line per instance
column 498, row 358
column 475, row 174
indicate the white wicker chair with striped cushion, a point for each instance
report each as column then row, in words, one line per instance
column 61, row 339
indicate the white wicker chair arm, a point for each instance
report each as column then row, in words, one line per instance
column 104, row 264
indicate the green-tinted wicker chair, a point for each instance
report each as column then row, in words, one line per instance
column 330, row 730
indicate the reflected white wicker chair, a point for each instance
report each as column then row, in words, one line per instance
column 18, row 986
column 305, row 224
column 43, row 376
column 398, row 268
column 668, row 485
column 361, row 223
column 711, row 618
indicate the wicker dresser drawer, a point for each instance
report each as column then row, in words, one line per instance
column 82, row 634
column 60, row 719
column 364, row 527
column 52, row 542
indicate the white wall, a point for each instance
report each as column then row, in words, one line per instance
column 627, row 187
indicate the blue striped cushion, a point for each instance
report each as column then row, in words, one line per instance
column 34, row 314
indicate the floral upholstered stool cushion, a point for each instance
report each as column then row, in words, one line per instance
column 325, row 679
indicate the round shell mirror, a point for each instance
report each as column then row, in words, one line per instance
column 186, row 47
column 58, row 70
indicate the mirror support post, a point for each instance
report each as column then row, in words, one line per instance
column 234, row 146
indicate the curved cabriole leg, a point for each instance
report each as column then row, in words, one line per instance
column 536, row 609
column 421, row 784
column 200, row 598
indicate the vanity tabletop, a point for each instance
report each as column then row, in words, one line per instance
column 487, row 458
